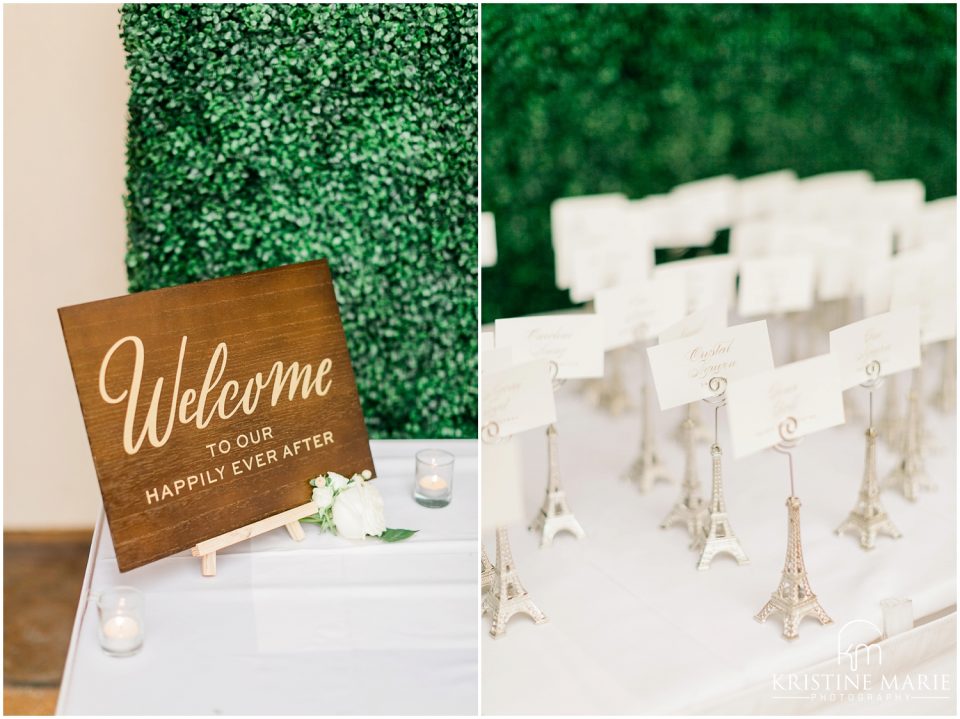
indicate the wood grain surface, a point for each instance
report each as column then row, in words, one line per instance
column 286, row 315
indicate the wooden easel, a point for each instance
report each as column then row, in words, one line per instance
column 207, row 549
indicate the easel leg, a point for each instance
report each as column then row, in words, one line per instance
column 295, row 531
column 208, row 564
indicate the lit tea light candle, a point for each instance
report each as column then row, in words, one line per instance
column 433, row 485
column 121, row 635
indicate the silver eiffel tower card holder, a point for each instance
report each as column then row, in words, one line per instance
column 718, row 536
column 503, row 595
column 554, row 515
column 793, row 598
column 868, row 518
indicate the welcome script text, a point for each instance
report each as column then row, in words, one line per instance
column 196, row 406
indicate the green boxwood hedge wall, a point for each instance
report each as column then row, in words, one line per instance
column 262, row 135
column 579, row 99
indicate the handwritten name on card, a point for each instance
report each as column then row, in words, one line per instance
column 640, row 310
column 682, row 369
column 772, row 285
column 573, row 342
column 209, row 406
column 808, row 392
column 891, row 339
column 518, row 398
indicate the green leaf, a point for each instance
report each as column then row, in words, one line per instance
column 313, row 519
column 397, row 535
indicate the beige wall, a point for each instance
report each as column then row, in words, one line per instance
column 64, row 129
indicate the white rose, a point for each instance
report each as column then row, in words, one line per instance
column 323, row 496
column 358, row 511
column 337, row 481
column 374, row 521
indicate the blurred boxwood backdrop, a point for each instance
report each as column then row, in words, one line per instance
column 261, row 135
column 580, row 99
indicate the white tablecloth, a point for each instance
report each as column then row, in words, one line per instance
column 635, row 628
column 325, row 626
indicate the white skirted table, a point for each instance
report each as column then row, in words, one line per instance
column 324, row 626
column 634, row 628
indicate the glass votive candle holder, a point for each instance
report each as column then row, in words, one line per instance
column 121, row 615
column 433, row 486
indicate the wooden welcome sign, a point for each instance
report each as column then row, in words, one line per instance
column 209, row 406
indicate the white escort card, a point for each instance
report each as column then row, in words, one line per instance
column 831, row 194
column 753, row 237
column 671, row 221
column 875, row 283
column 640, row 310
column 608, row 263
column 501, row 486
column 488, row 341
column 893, row 201
column 703, row 320
column 574, row 342
column 710, row 280
column 682, row 369
column 773, row 285
column 518, row 398
column 488, row 240
column 712, row 200
column 891, row 339
column 764, row 195
column 491, row 358
column 932, row 222
column 808, row 391
column 582, row 222
column 925, row 279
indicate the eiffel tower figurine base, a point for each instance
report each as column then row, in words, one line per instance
column 691, row 513
column 909, row 478
column 554, row 517
column 793, row 612
column 793, row 599
column 868, row 526
column 718, row 536
column 719, row 539
column 689, row 510
column 507, row 596
column 869, row 518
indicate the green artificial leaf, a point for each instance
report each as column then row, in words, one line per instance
column 261, row 135
column 313, row 519
column 397, row 535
